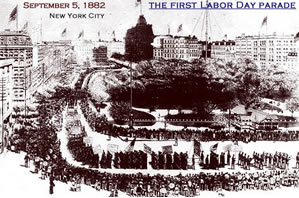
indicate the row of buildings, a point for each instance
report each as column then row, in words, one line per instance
column 264, row 50
column 26, row 67
column 89, row 51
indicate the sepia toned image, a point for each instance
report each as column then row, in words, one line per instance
column 149, row 98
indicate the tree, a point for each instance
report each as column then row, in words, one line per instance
column 293, row 105
column 120, row 110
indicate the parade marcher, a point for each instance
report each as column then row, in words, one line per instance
column 51, row 184
column 201, row 158
column 207, row 162
column 228, row 158
column 297, row 160
column 26, row 159
column 233, row 162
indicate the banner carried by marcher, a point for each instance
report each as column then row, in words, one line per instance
column 167, row 149
column 96, row 149
column 147, row 149
column 130, row 147
column 112, row 148
column 87, row 140
column 214, row 147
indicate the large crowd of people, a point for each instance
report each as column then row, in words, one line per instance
column 169, row 161
column 100, row 124
column 130, row 160
column 42, row 149
column 166, row 185
column 82, row 153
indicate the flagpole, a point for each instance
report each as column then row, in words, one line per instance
column 206, row 34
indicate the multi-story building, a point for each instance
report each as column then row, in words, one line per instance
column 297, row 48
column 177, row 47
column 49, row 58
column 6, row 87
column 224, row 50
column 267, row 50
column 138, row 41
column 100, row 54
column 18, row 46
column 115, row 47
column 84, row 50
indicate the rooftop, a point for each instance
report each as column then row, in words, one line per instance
column 7, row 32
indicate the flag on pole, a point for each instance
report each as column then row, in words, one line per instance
column 130, row 147
column 265, row 21
column 214, row 147
column 81, row 34
column 13, row 14
column 180, row 28
column 63, row 33
column 197, row 148
column 99, row 33
column 25, row 27
column 167, row 149
column 147, row 149
column 138, row 2
column 113, row 35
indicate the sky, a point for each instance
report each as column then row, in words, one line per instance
column 120, row 15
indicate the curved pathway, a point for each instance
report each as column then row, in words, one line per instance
column 103, row 141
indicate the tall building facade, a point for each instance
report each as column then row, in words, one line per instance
column 6, row 87
column 18, row 46
column 84, row 50
column 49, row 58
column 138, row 41
column 115, row 47
column 177, row 47
column 297, row 48
column 100, row 54
column 267, row 50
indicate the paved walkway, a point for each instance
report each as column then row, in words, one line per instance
column 103, row 141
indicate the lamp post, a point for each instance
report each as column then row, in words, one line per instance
column 131, row 118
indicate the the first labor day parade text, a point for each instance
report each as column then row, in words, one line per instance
column 166, row 4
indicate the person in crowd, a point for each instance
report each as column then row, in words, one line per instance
column 228, row 158
column 52, row 184
column 297, row 160
column 233, row 162
column 26, row 159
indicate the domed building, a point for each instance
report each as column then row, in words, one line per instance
column 138, row 41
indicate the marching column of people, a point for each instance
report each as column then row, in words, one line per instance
column 100, row 124
column 278, row 160
column 130, row 160
column 82, row 153
column 169, row 161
